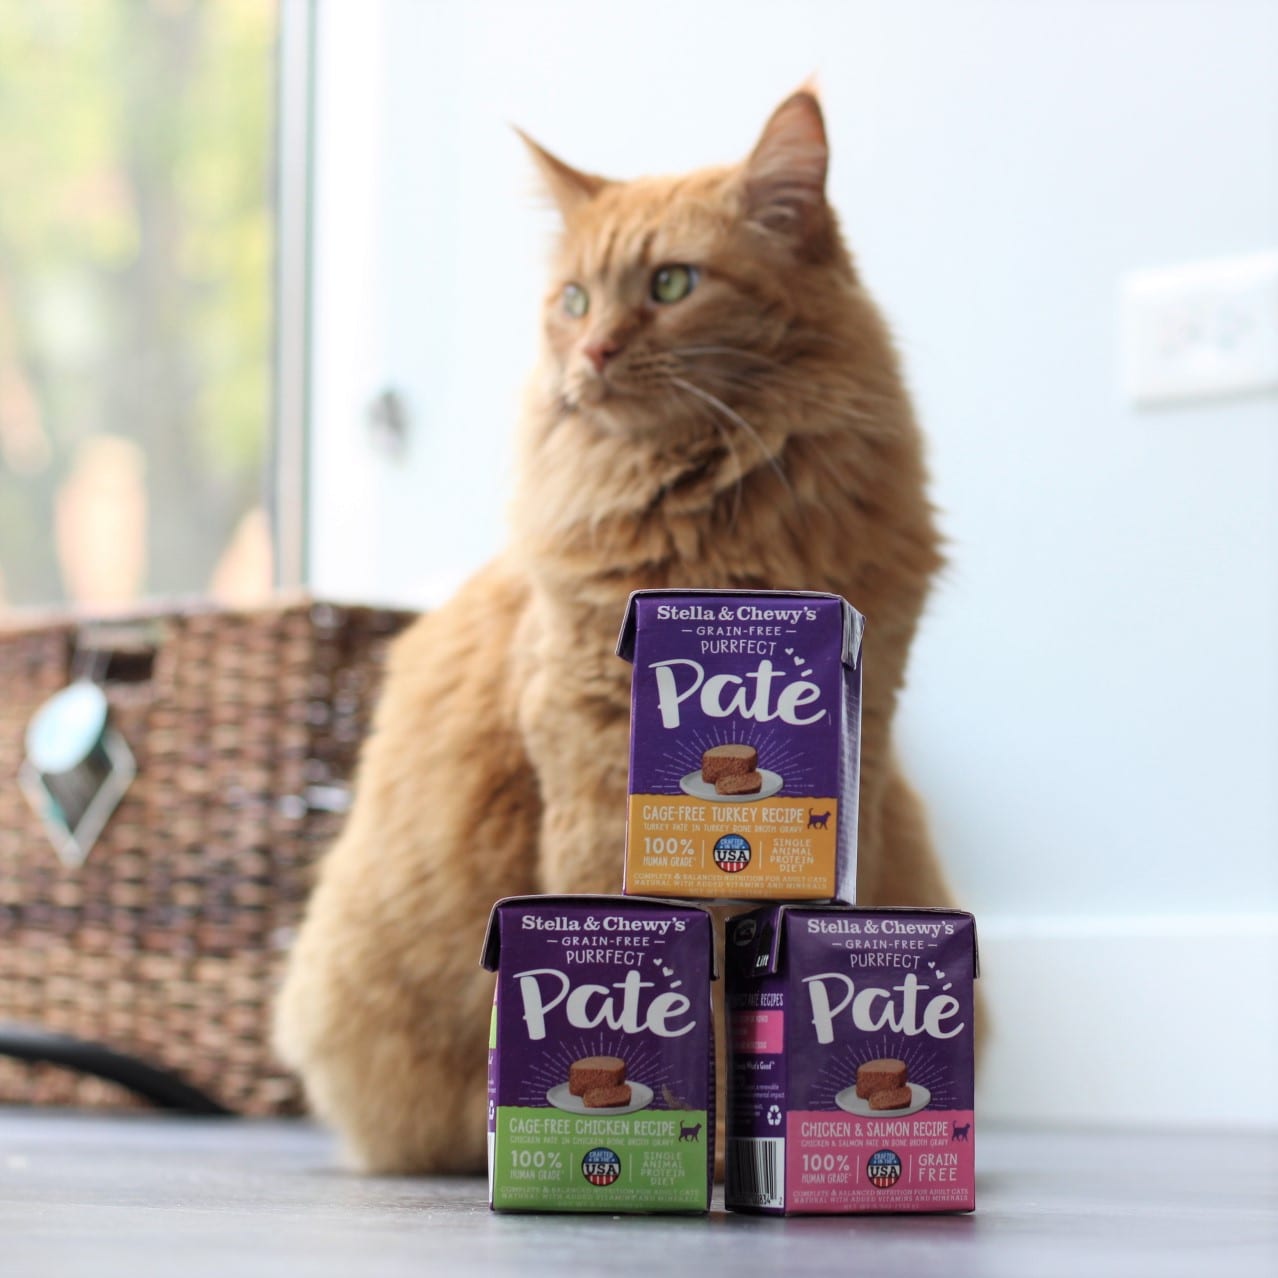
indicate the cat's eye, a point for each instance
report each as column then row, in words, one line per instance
column 576, row 300
column 673, row 283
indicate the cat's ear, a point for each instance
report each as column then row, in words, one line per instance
column 785, row 174
column 568, row 187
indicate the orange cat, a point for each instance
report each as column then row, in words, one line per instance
column 718, row 404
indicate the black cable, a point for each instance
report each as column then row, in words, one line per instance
column 162, row 1088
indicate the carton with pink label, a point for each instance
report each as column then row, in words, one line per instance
column 850, row 1069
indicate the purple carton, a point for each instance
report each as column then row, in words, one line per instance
column 744, row 746
column 850, row 1071
column 600, row 1055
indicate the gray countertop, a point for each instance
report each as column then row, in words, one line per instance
column 140, row 1195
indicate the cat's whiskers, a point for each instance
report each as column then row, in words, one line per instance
column 735, row 351
column 738, row 484
column 782, row 369
column 736, row 419
column 737, row 470
column 728, row 451
column 783, row 387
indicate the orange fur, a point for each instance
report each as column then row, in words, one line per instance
column 755, row 433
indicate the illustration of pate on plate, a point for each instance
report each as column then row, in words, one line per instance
column 731, row 774
column 598, row 1085
column 883, row 1089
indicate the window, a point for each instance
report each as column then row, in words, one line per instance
column 136, row 269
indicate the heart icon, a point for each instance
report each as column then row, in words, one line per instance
column 798, row 661
column 667, row 971
column 930, row 963
column 789, row 652
column 940, row 976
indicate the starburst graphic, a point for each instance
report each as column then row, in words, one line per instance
column 839, row 1071
column 644, row 1064
column 776, row 750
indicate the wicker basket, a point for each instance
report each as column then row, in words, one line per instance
column 167, row 943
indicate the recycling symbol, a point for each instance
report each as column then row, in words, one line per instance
column 774, row 1116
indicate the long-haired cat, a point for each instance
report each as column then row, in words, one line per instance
column 717, row 404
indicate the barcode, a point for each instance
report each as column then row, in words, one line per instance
column 756, row 1173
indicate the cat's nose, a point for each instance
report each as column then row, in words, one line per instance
column 599, row 353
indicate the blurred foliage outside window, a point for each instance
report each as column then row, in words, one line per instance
column 136, row 259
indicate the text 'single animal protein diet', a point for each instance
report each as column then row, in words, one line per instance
column 601, row 1055
column 744, row 745
column 850, row 1044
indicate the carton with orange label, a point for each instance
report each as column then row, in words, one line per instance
column 745, row 745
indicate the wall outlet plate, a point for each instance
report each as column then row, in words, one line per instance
column 1200, row 330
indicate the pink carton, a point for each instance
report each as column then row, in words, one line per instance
column 850, row 1067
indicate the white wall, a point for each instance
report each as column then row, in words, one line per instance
column 1093, row 712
